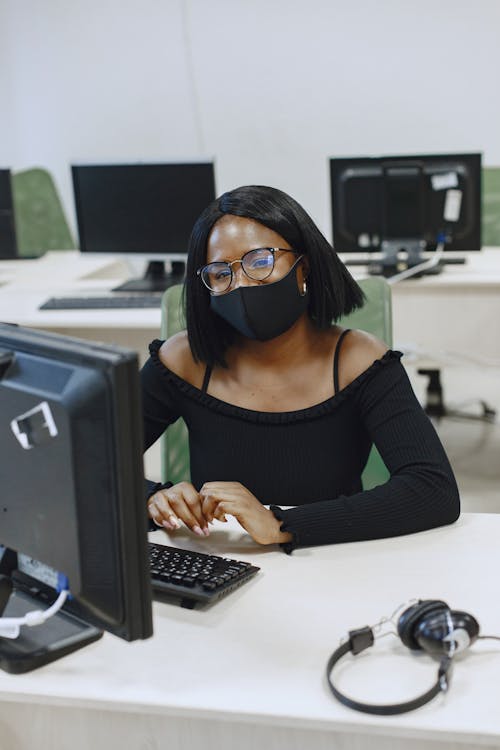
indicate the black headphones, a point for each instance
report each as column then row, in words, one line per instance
column 429, row 625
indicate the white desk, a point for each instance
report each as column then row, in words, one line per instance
column 25, row 285
column 450, row 316
column 453, row 316
column 249, row 672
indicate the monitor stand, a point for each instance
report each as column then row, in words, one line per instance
column 35, row 646
column 156, row 278
column 391, row 263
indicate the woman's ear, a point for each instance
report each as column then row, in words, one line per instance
column 304, row 263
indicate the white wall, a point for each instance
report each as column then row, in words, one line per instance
column 269, row 88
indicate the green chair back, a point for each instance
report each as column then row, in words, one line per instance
column 491, row 206
column 375, row 317
column 40, row 221
column 175, row 441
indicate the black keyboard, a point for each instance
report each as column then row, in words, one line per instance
column 118, row 301
column 195, row 577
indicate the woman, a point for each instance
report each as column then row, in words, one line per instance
column 281, row 404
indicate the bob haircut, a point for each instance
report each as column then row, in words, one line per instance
column 332, row 290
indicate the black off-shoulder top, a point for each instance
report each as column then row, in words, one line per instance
column 312, row 458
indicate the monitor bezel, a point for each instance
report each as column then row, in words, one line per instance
column 162, row 268
column 118, row 368
column 78, row 169
column 338, row 165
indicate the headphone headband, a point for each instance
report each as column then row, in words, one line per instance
column 358, row 641
column 429, row 625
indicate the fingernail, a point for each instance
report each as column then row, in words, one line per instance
column 174, row 521
column 206, row 531
column 198, row 531
column 167, row 525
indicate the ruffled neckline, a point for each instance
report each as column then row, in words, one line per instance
column 251, row 415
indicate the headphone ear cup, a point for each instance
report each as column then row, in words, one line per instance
column 411, row 617
column 446, row 632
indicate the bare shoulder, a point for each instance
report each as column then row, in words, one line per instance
column 359, row 351
column 175, row 353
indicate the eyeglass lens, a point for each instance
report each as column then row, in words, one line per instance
column 257, row 264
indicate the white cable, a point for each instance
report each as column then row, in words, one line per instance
column 10, row 626
column 426, row 264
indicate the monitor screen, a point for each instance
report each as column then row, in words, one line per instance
column 141, row 209
column 8, row 244
column 72, row 477
column 406, row 201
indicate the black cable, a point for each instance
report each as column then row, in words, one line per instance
column 489, row 637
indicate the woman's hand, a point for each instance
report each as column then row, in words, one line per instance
column 178, row 503
column 219, row 498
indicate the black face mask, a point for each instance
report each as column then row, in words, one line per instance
column 265, row 311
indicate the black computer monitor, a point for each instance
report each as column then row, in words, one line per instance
column 145, row 210
column 406, row 205
column 8, row 243
column 72, row 504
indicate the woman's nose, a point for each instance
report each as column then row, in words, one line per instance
column 240, row 278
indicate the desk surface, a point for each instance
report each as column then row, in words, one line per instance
column 24, row 285
column 258, row 657
column 482, row 268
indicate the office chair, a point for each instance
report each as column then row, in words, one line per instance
column 40, row 221
column 374, row 317
column 490, row 206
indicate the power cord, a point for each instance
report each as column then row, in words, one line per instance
column 420, row 267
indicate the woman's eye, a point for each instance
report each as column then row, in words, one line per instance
column 222, row 273
column 260, row 262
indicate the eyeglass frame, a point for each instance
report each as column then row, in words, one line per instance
column 230, row 263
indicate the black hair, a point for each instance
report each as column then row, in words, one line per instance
column 332, row 290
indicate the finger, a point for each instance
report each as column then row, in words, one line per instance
column 220, row 511
column 193, row 502
column 212, row 508
column 154, row 515
column 182, row 510
column 217, row 490
column 161, row 512
column 209, row 505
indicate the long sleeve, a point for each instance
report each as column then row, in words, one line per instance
column 158, row 402
column 421, row 492
column 159, row 411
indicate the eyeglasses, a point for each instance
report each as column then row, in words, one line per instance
column 257, row 265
